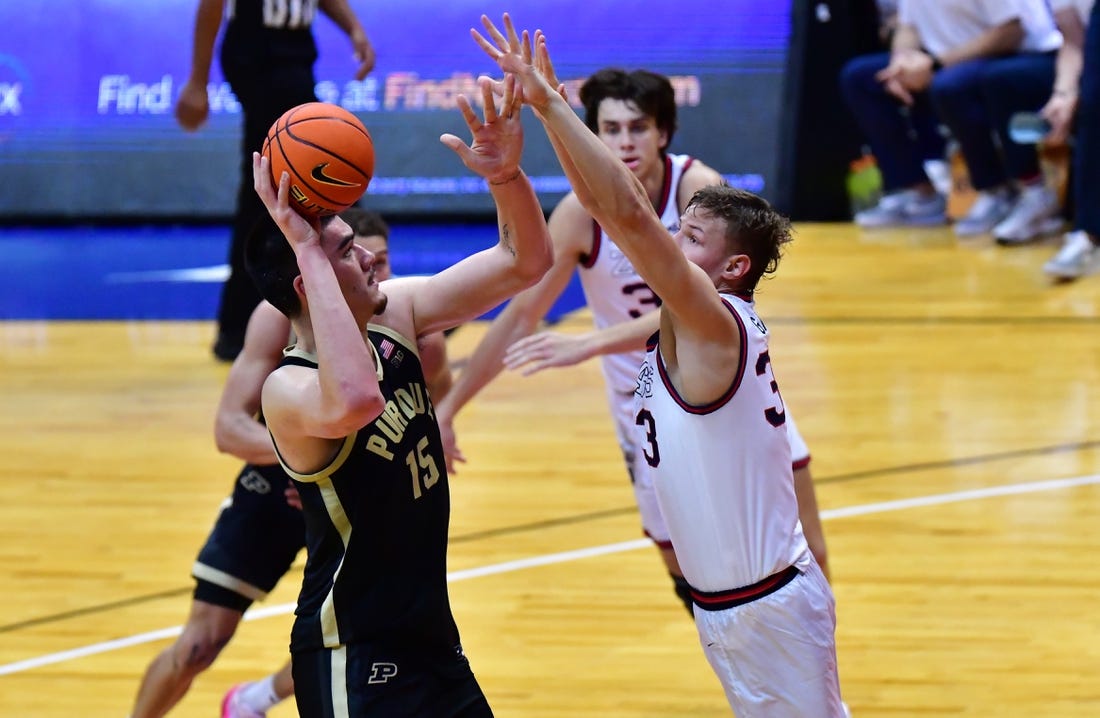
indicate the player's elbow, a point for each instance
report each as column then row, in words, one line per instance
column 530, row 266
column 359, row 407
column 225, row 437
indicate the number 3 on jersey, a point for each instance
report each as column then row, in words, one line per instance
column 651, row 453
column 775, row 415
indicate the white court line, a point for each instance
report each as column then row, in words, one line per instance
column 566, row 556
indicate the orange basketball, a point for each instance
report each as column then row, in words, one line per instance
column 328, row 153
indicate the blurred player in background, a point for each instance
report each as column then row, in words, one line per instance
column 267, row 56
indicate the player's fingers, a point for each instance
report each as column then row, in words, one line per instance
column 535, row 368
column 489, row 48
column 547, row 65
column 458, row 146
column 510, row 105
column 283, row 197
column 487, row 99
column 513, row 38
column 498, row 38
column 468, row 113
column 526, row 54
column 258, row 162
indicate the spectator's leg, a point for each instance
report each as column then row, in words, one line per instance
column 957, row 97
column 1086, row 151
column 901, row 138
column 1020, row 83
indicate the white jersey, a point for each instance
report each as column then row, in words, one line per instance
column 733, row 453
column 614, row 291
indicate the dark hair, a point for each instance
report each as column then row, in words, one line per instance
column 753, row 227
column 650, row 92
column 365, row 223
column 272, row 265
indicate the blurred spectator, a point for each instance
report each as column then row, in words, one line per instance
column 267, row 56
column 1077, row 95
column 945, row 58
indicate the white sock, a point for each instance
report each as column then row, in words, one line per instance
column 259, row 695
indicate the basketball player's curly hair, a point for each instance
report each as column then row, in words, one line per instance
column 753, row 227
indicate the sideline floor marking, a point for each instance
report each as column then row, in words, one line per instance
column 565, row 557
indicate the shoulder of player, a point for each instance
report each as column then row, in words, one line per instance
column 699, row 175
column 570, row 227
column 399, row 292
column 696, row 177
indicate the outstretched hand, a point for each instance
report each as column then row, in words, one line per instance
column 497, row 145
column 298, row 231
column 514, row 55
column 545, row 350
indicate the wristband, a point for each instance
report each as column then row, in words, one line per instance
column 513, row 178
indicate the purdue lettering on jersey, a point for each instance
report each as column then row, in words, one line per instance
column 376, row 521
column 409, row 402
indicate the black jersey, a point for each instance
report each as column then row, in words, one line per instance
column 376, row 523
column 259, row 32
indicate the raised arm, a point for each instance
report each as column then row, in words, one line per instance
column 616, row 199
column 567, row 223
column 193, row 104
column 547, row 350
column 523, row 254
column 342, row 395
column 340, row 12
column 237, row 430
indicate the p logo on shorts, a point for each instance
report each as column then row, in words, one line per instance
column 382, row 672
column 255, row 482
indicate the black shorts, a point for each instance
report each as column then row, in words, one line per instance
column 253, row 543
column 379, row 684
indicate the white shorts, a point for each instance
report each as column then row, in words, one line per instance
column 776, row 656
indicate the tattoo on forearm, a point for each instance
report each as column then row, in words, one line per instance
column 506, row 240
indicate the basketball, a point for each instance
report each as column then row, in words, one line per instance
column 328, row 153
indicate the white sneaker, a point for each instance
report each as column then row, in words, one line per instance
column 1077, row 257
column 986, row 212
column 1034, row 215
column 907, row 208
column 232, row 707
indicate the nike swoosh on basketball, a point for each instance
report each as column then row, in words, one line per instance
column 318, row 174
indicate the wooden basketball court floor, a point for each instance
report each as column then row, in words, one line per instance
column 949, row 392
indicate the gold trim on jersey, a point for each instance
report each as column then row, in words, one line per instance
column 339, row 667
column 330, row 629
column 296, row 351
column 396, row 336
column 220, row 578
